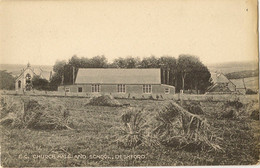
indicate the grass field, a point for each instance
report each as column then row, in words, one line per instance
column 91, row 141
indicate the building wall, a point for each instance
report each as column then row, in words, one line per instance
column 22, row 78
column 136, row 89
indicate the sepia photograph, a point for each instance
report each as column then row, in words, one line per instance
column 121, row 83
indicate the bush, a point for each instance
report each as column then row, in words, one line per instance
column 104, row 100
column 7, row 81
column 40, row 83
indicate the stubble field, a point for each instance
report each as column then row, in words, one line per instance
column 91, row 139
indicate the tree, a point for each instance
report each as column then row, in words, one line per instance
column 98, row 62
column 150, row 62
column 185, row 65
column 168, row 69
column 7, row 81
column 194, row 74
column 40, row 83
column 129, row 62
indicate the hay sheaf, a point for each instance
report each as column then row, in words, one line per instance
column 232, row 110
column 104, row 100
column 34, row 113
column 169, row 125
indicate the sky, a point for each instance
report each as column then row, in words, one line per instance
column 41, row 32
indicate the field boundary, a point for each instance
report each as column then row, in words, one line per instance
column 177, row 97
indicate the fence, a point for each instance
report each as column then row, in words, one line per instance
column 184, row 97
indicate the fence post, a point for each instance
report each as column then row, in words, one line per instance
column 181, row 97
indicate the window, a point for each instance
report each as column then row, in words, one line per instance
column 147, row 88
column 95, row 88
column 167, row 90
column 28, row 78
column 79, row 89
column 121, row 88
column 67, row 89
column 19, row 84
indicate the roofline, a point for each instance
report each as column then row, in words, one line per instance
column 23, row 72
column 168, row 85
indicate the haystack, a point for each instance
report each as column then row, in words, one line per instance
column 104, row 100
column 34, row 113
column 170, row 125
column 232, row 110
column 254, row 111
column 193, row 107
column 132, row 131
column 176, row 127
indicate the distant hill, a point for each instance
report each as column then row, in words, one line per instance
column 230, row 67
column 15, row 69
column 242, row 74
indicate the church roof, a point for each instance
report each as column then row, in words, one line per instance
column 37, row 71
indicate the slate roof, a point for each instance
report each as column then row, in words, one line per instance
column 219, row 78
column 118, row 76
column 37, row 71
column 239, row 83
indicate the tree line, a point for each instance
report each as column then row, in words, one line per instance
column 186, row 72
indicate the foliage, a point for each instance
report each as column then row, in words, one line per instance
column 186, row 72
column 193, row 74
column 7, row 81
column 128, row 62
column 40, row 83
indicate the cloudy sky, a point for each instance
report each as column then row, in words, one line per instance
column 42, row 32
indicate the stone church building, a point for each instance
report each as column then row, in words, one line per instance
column 24, row 79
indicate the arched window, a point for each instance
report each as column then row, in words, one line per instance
column 19, row 84
column 28, row 78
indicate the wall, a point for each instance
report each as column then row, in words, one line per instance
column 132, row 89
column 22, row 78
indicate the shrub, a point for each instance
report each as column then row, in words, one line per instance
column 40, row 83
column 7, row 80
